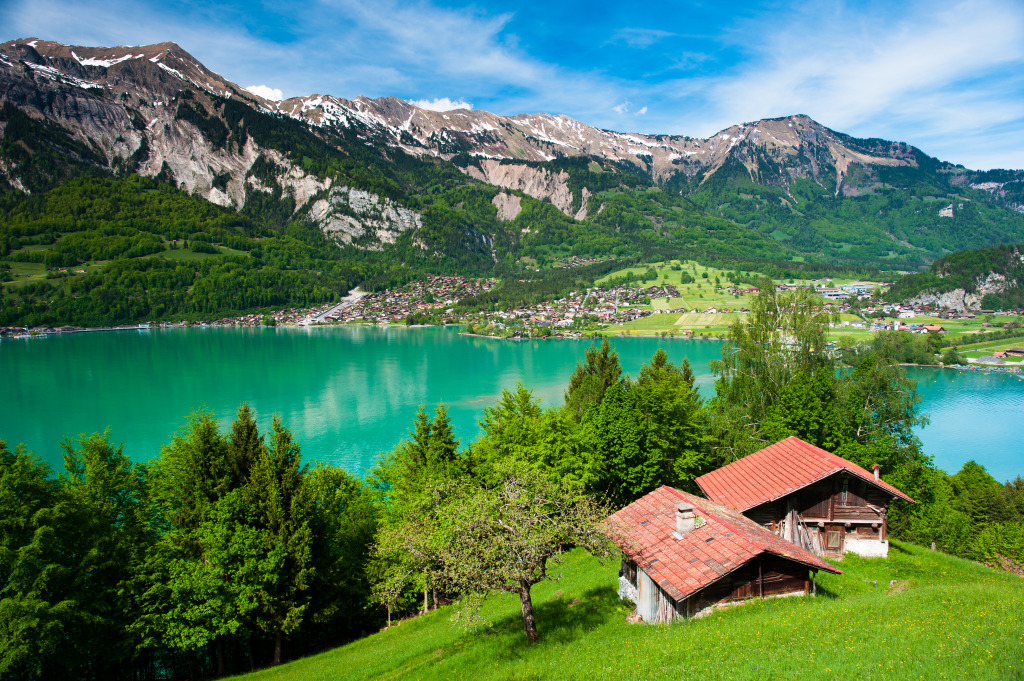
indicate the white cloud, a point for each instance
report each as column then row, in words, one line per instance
column 934, row 73
column 621, row 108
column 441, row 104
column 273, row 94
column 642, row 111
column 639, row 37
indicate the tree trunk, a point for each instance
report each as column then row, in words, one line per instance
column 426, row 600
column 529, row 624
column 220, row 655
column 248, row 652
column 277, row 649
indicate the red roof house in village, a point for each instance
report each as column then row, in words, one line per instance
column 684, row 555
column 808, row 496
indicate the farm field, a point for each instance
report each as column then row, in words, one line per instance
column 918, row 614
column 992, row 346
column 699, row 295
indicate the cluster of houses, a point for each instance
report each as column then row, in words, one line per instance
column 762, row 529
column 434, row 296
column 602, row 304
column 859, row 291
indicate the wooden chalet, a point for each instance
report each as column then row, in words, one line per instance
column 808, row 496
column 684, row 555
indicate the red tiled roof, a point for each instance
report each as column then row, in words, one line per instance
column 777, row 471
column 726, row 541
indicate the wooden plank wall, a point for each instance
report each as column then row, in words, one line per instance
column 776, row 576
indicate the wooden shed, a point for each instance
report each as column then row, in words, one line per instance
column 684, row 555
column 808, row 496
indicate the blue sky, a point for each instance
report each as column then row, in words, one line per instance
column 947, row 77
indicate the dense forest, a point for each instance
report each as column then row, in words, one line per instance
column 226, row 553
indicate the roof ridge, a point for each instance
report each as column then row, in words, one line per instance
column 850, row 467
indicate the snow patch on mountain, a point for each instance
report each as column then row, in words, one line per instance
column 105, row 63
column 61, row 77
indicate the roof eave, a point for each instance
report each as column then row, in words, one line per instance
column 868, row 479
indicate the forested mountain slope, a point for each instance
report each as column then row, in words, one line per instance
column 395, row 189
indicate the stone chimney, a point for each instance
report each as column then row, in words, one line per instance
column 686, row 519
column 876, row 468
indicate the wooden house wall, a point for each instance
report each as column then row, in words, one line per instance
column 653, row 605
column 826, row 500
column 763, row 577
column 777, row 576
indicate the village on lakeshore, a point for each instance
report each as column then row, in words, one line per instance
column 674, row 299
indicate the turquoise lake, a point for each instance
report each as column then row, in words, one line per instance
column 349, row 393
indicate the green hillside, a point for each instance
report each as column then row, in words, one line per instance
column 918, row 614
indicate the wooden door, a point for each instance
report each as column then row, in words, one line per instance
column 832, row 539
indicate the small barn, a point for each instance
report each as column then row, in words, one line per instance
column 684, row 555
column 808, row 496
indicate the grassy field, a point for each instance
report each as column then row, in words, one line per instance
column 699, row 295
column 992, row 346
column 30, row 272
column 916, row 615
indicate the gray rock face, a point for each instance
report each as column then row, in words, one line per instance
column 508, row 205
column 354, row 216
column 539, row 183
column 960, row 300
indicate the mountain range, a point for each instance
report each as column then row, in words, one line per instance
column 388, row 182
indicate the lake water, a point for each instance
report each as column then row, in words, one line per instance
column 349, row 393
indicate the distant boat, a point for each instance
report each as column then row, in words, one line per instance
column 144, row 325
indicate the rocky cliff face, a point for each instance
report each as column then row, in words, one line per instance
column 960, row 300
column 539, row 183
column 509, row 206
column 353, row 216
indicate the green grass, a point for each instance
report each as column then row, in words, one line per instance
column 186, row 255
column 1002, row 344
column 26, row 273
column 944, row 618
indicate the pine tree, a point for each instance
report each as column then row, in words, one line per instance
column 282, row 508
column 246, row 444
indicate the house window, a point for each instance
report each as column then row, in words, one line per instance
column 846, row 490
column 832, row 539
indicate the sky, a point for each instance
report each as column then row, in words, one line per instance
column 947, row 77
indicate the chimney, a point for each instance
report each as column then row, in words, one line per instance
column 685, row 519
column 876, row 468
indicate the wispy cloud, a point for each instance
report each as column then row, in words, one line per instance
column 273, row 94
column 933, row 73
column 441, row 104
column 639, row 37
